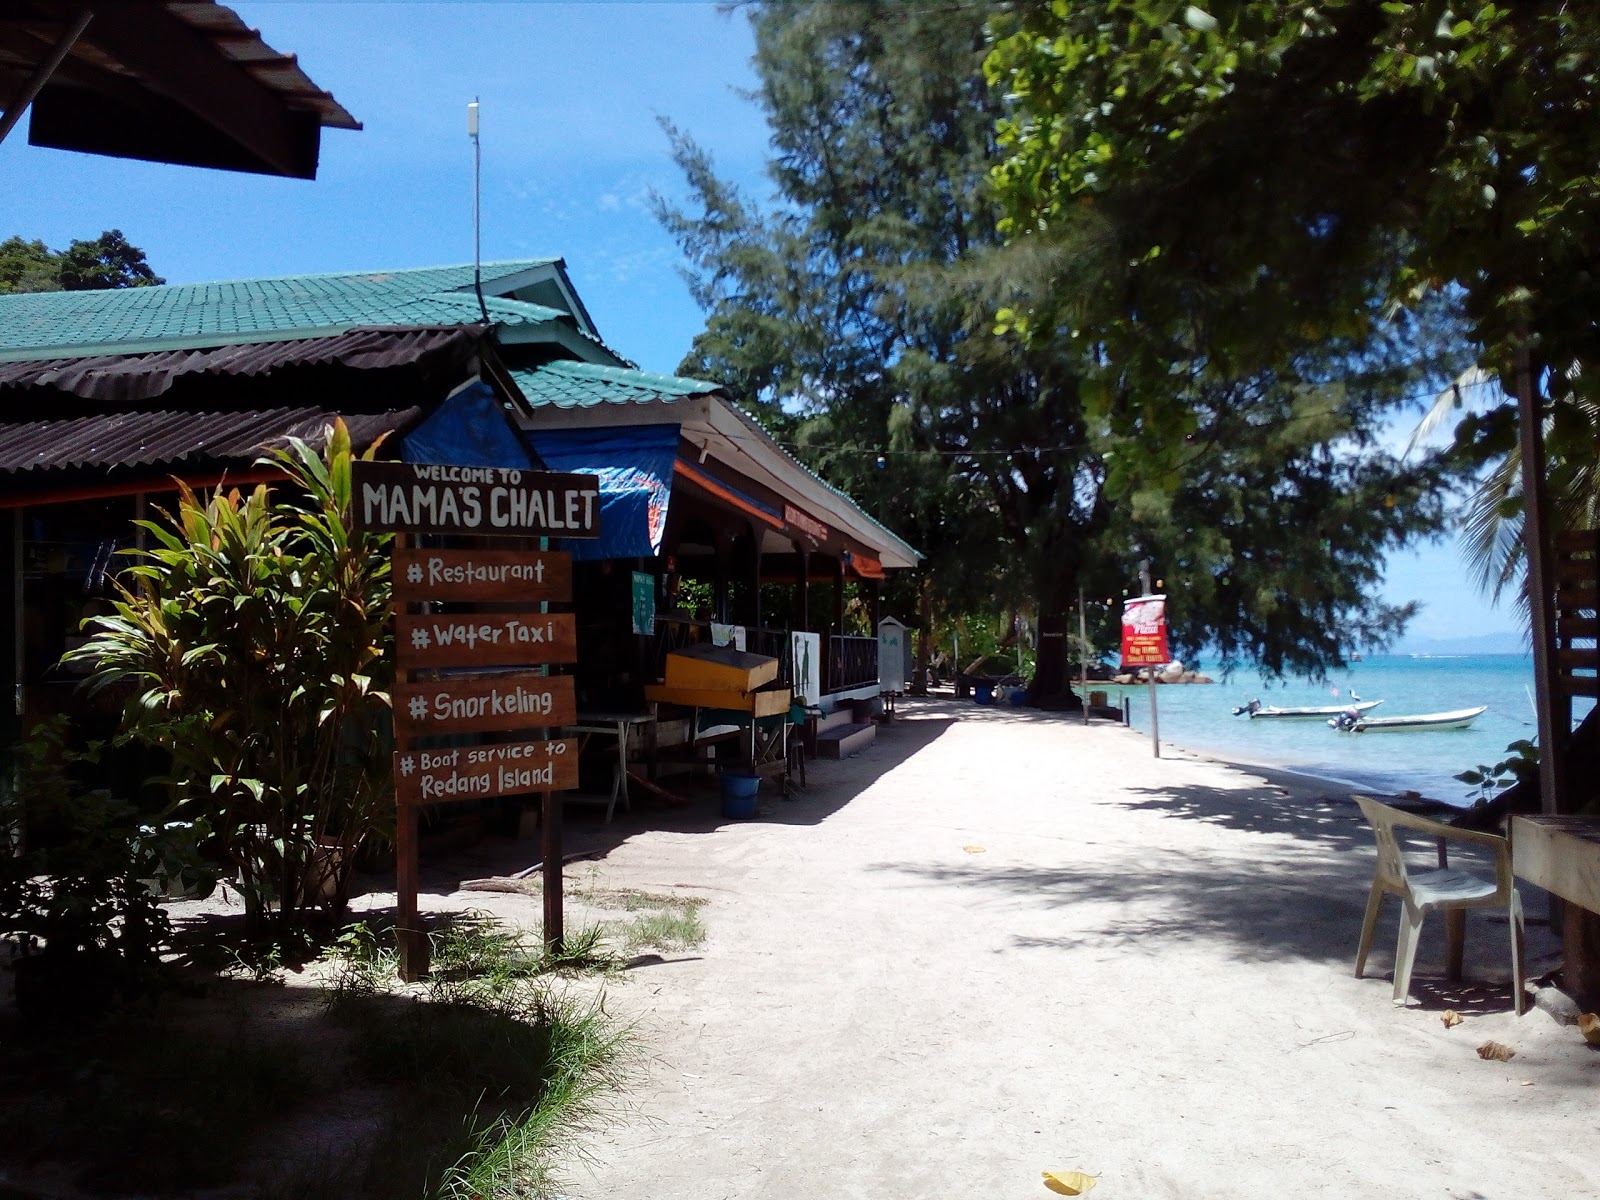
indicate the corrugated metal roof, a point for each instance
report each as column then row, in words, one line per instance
column 62, row 324
column 279, row 72
column 126, row 378
column 567, row 384
column 145, row 438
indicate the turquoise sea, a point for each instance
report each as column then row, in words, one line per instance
column 1198, row 717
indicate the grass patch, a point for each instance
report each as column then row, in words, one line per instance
column 145, row 1105
column 488, row 1066
column 368, row 1089
column 658, row 922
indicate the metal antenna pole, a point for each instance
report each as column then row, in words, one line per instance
column 477, row 225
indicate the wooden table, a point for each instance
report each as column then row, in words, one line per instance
column 1561, row 854
column 613, row 725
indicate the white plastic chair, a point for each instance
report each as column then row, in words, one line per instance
column 1450, row 891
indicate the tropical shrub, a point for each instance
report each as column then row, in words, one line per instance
column 73, row 896
column 252, row 639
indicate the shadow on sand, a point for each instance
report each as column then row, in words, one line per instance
column 1301, row 896
column 830, row 786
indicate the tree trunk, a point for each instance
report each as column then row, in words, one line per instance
column 1050, row 687
column 919, row 682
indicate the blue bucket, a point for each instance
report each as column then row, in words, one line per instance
column 739, row 795
column 983, row 693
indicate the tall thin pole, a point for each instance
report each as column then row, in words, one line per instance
column 1536, row 537
column 1083, row 654
column 477, row 224
column 1155, row 719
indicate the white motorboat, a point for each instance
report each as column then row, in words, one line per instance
column 1256, row 709
column 1458, row 718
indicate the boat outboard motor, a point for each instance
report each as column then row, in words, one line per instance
column 1252, row 708
column 1346, row 721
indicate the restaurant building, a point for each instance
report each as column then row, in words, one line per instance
column 710, row 527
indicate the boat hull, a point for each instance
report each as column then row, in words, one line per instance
column 1311, row 714
column 1423, row 722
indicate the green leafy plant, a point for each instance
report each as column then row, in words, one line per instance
column 73, row 891
column 1520, row 765
column 252, row 637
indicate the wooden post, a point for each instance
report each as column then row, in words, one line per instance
column 411, row 939
column 550, row 848
column 1536, row 537
column 804, row 580
column 755, row 583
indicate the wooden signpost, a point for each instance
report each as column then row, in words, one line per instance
column 485, row 639
column 451, row 676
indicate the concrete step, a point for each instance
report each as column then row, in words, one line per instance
column 836, row 718
column 844, row 740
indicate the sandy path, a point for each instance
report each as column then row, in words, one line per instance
column 1145, row 974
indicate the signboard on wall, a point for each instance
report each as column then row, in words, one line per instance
column 644, row 603
column 807, row 666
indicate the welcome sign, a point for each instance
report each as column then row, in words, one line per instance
column 436, row 498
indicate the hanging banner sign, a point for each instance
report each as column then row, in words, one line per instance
column 483, row 704
column 481, row 575
column 485, row 639
column 482, row 772
column 1144, row 632
column 389, row 497
column 804, row 522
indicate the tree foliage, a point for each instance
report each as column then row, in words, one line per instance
column 1301, row 171
column 858, row 311
column 108, row 261
column 252, row 642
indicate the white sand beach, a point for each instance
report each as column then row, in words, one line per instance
column 1000, row 942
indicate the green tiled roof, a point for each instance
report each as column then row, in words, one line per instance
column 585, row 385
column 80, row 323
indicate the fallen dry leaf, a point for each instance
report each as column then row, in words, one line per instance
column 1589, row 1026
column 1068, row 1183
column 1450, row 1017
column 1496, row 1051
column 973, row 849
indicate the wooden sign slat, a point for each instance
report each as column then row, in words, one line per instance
column 483, row 772
column 485, row 639
column 440, row 498
column 481, row 575
column 483, row 704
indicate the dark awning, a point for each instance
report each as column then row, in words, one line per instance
column 134, row 439
column 126, row 378
column 185, row 83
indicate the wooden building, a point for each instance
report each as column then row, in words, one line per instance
column 708, row 522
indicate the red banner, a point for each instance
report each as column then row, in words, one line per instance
column 1144, row 632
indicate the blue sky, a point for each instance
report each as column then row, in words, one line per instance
column 571, row 94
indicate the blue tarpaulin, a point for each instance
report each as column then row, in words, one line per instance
column 634, row 463
column 470, row 429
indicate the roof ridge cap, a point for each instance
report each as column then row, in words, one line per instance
column 521, row 263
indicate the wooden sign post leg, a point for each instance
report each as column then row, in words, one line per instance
column 412, row 941
column 554, row 913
